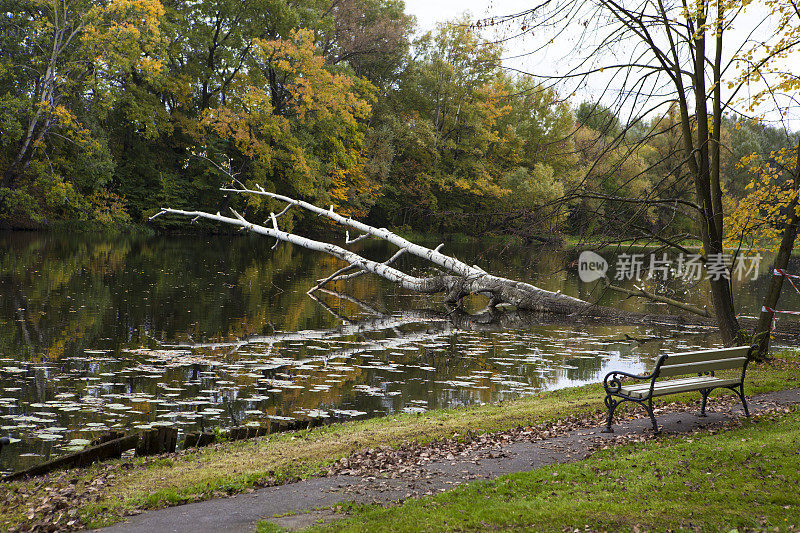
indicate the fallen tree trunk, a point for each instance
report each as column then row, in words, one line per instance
column 461, row 279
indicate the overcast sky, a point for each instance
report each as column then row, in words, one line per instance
column 431, row 12
column 517, row 51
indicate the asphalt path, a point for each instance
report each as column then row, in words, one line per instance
column 303, row 503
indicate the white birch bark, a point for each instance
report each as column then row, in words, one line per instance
column 464, row 281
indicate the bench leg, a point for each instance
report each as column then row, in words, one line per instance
column 740, row 392
column 649, row 408
column 611, row 404
column 705, row 393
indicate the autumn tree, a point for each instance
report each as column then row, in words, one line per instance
column 58, row 74
column 769, row 212
column 654, row 55
column 473, row 146
column 300, row 126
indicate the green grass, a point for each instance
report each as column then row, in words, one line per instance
column 745, row 478
column 237, row 466
column 267, row 527
column 572, row 241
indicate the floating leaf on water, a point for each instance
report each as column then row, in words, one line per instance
column 348, row 412
column 372, row 391
column 314, row 413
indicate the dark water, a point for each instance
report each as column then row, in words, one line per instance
column 101, row 333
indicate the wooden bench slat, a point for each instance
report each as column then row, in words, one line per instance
column 673, row 387
column 702, row 366
column 705, row 355
column 645, row 385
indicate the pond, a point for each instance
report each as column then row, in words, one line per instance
column 100, row 333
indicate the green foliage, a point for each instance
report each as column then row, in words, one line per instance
column 159, row 105
column 60, row 71
column 469, row 141
column 599, row 118
column 532, row 188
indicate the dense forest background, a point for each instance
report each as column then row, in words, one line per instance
column 111, row 110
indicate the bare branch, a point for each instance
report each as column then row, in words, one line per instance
column 444, row 261
column 640, row 292
column 348, row 240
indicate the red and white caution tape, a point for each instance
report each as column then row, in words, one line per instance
column 781, row 272
column 789, row 277
column 765, row 309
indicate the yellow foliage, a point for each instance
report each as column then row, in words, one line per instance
column 761, row 215
column 352, row 191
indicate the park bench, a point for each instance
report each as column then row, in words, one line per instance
column 701, row 364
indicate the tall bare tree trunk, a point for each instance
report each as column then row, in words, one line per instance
column 764, row 327
column 707, row 175
column 761, row 335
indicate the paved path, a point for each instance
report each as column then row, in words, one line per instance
column 240, row 513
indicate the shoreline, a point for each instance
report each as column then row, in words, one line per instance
column 104, row 493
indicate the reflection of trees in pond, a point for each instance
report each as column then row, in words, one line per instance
column 62, row 294
column 122, row 294
column 55, row 293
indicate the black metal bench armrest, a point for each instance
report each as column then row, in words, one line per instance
column 613, row 385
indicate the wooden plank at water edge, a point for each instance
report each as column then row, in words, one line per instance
column 107, row 450
column 157, row 440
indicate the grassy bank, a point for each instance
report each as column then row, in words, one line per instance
column 235, row 467
column 745, row 478
column 577, row 241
